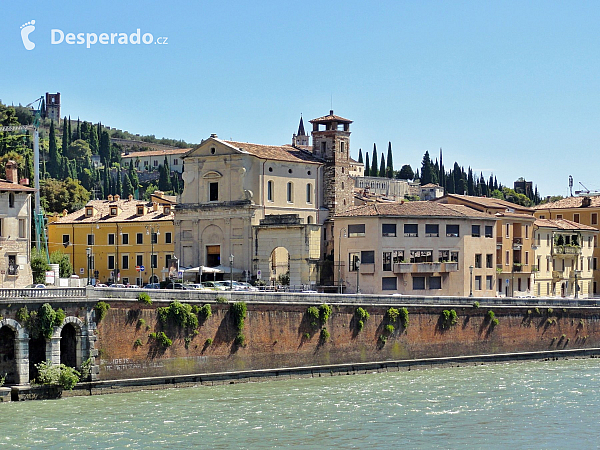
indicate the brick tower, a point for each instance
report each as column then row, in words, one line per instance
column 331, row 142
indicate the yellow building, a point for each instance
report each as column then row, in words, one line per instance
column 119, row 236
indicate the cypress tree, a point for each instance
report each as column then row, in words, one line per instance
column 106, row 182
column 390, row 162
column 360, row 157
column 70, row 133
column 382, row 166
column 104, row 150
column 374, row 169
column 367, row 166
column 426, row 170
column 53, row 154
column 127, row 186
column 458, row 184
column 133, row 177
column 78, row 135
column 43, row 109
column 164, row 179
column 470, row 186
column 119, row 187
column 65, row 137
column 93, row 140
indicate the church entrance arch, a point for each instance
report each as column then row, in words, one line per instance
column 279, row 266
column 212, row 240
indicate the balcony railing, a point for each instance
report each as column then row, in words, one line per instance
column 517, row 268
column 428, row 267
column 566, row 250
column 557, row 274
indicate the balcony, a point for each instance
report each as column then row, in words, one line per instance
column 567, row 250
column 557, row 275
column 428, row 267
column 517, row 267
column 403, row 268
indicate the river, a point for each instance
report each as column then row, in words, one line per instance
column 538, row 404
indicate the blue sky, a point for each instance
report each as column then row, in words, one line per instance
column 508, row 87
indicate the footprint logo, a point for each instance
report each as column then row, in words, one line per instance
column 26, row 30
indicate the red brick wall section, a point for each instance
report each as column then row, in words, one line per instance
column 275, row 337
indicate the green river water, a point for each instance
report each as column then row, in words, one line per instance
column 541, row 404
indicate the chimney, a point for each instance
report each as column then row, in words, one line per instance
column 117, row 197
column 11, row 172
column 65, row 212
column 110, row 198
column 154, row 206
column 130, row 197
column 159, row 194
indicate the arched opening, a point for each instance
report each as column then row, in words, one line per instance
column 310, row 219
column 8, row 362
column 68, row 346
column 279, row 265
column 37, row 354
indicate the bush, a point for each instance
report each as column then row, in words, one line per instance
column 313, row 315
column 240, row 340
column 101, row 308
column 61, row 375
column 392, row 314
column 550, row 311
column 22, row 315
column 307, row 335
column 221, row 299
column 491, row 317
column 324, row 312
column 449, row 318
column 362, row 314
column 208, row 342
column 137, row 343
column 325, row 335
column 204, row 312
column 475, row 304
column 144, row 298
column 404, row 317
column 161, row 339
column 239, row 314
column 389, row 329
column 179, row 314
column 140, row 323
column 360, row 325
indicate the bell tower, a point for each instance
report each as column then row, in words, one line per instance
column 331, row 142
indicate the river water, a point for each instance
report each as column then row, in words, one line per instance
column 539, row 404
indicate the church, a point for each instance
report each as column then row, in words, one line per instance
column 266, row 210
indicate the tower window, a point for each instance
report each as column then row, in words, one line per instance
column 270, row 190
column 11, row 200
column 309, row 193
column 290, row 192
column 341, row 147
column 323, row 146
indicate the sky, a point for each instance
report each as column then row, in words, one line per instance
column 506, row 87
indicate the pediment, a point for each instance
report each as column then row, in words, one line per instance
column 212, row 174
column 213, row 147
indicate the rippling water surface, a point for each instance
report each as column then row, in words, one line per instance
column 551, row 404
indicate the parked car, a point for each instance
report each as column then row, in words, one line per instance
column 197, row 287
column 179, row 286
column 35, row 286
column 101, row 285
column 152, row 286
column 242, row 285
column 214, row 285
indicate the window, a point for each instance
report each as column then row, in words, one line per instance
column 290, row 192
column 66, row 238
column 435, row 282
column 139, row 260
column 489, row 231
column 476, row 230
column 125, row 262
column 526, row 231
column 421, row 256
column 352, row 258
column 418, row 283
column 389, row 283
column 452, row 230
column 90, row 239
column 89, row 212
column 213, row 192
column 508, row 230
column 125, row 239
column 489, row 261
column 175, row 162
column 576, row 217
column 111, row 262
column 454, row 256
column 594, row 218
column 537, row 239
column 166, row 210
column 323, row 146
column 526, row 258
column 111, row 239
column 507, row 260
column 477, row 282
column 154, row 261
column 589, row 242
column 558, row 216
column 341, row 147
column 11, row 200
column 397, row 256
column 388, row 229
column 548, row 240
column 367, row 257
column 12, row 265
column 155, row 163
column 432, row 230
column 140, row 210
column 489, row 283
column 356, row 230
column 113, row 211
column 444, row 256
column 22, row 228
column 309, row 193
column 168, row 238
column 125, row 280
column 595, row 263
column 478, row 261
column 387, row 261
column 139, row 238
column 411, row 230
column 270, row 190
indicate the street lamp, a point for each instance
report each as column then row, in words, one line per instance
column 88, row 252
column 471, row 282
column 357, row 266
column 340, row 260
column 231, row 272
column 153, row 237
column 576, row 285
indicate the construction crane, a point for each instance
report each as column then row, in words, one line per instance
column 586, row 191
column 39, row 219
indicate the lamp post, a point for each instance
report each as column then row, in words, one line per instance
column 88, row 252
column 357, row 266
column 471, row 282
column 340, row 260
column 153, row 236
column 231, row 272
column 576, row 285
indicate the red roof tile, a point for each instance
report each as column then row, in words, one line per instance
column 419, row 209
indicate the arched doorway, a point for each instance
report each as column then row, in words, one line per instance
column 8, row 362
column 68, row 346
column 37, row 354
column 279, row 266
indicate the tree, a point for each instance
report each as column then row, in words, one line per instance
column 54, row 156
column 150, row 190
column 459, row 186
column 470, row 186
column 59, row 195
column 426, row 170
column 164, row 179
column 65, row 267
column 367, row 167
column 127, row 186
column 374, row 169
column 382, row 167
column 65, row 137
column 119, row 188
column 104, row 150
column 80, row 151
column 39, row 266
column 133, row 177
column 93, row 140
column 360, row 157
column 390, row 164
column 405, row 173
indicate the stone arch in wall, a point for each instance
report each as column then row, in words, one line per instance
column 14, row 350
column 71, row 343
column 279, row 264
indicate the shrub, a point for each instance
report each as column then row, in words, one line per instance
column 324, row 312
column 491, row 318
column 325, row 335
column 550, row 311
column 144, row 298
column 362, row 314
column 383, row 338
column 178, row 313
column 221, row 299
column 537, row 311
column 404, row 317
column 161, row 339
column 449, row 318
column 392, row 314
column 186, row 342
column 240, row 340
column 101, row 308
column 140, row 323
column 389, row 329
column 313, row 315
column 204, row 312
column 22, row 315
column 475, row 304
column 360, row 325
column 208, row 342
column 61, row 375
column 137, row 343
column 307, row 335
column 239, row 314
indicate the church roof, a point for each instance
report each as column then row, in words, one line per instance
column 276, row 152
column 301, row 131
column 330, row 118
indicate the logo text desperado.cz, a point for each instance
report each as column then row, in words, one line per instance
column 89, row 39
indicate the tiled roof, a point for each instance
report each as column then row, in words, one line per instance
column 275, row 152
column 515, row 215
column 431, row 185
column 329, row 118
column 563, row 224
column 416, row 209
column 570, row 202
column 175, row 151
column 8, row 186
column 128, row 213
column 489, row 202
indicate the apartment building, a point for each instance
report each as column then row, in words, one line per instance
column 416, row 248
